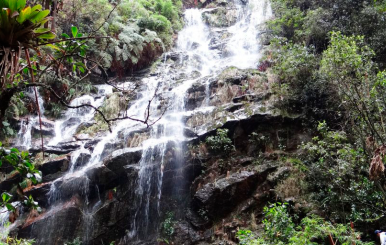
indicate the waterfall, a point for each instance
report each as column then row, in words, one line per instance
column 198, row 62
column 24, row 136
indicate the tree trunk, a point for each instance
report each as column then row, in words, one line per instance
column 53, row 14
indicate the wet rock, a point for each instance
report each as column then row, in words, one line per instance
column 7, row 181
column 110, row 147
column 69, row 186
column 70, row 122
column 91, row 144
column 64, row 222
column 47, row 129
column 189, row 133
column 69, row 145
column 175, row 56
column 39, row 193
column 103, row 177
column 53, row 169
column 195, row 96
column 82, row 137
column 134, row 138
column 220, row 17
column 219, row 198
column 200, row 219
column 121, row 158
column 84, row 125
column 82, row 160
column 50, row 149
column 245, row 161
column 185, row 234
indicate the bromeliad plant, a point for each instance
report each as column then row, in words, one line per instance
column 21, row 28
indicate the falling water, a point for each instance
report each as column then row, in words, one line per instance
column 24, row 136
column 198, row 63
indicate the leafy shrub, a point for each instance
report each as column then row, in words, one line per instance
column 167, row 226
column 337, row 177
column 221, row 142
column 280, row 229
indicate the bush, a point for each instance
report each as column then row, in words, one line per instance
column 337, row 178
column 221, row 142
column 279, row 229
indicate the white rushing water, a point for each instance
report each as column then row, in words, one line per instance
column 199, row 63
column 24, row 136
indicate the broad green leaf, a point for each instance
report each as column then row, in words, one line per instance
column 10, row 207
column 24, row 15
column 15, row 150
column 74, row 31
column 36, row 7
column 12, row 5
column 42, row 30
column 20, row 4
column 49, row 35
column 6, row 196
column 54, row 47
column 65, row 35
column 24, row 154
column 40, row 16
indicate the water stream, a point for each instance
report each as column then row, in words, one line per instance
column 199, row 62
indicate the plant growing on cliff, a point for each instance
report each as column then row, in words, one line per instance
column 167, row 227
column 279, row 228
column 21, row 163
column 220, row 142
column 337, row 178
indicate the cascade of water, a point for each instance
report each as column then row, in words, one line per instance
column 66, row 128
column 24, row 136
column 244, row 45
column 194, row 42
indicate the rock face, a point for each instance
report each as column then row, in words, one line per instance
column 221, row 17
column 220, row 198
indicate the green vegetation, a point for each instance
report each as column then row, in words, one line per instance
column 140, row 30
column 220, row 143
column 279, row 228
column 23, row 166
column 328, row 59
column 167, row 227
column 337, row 178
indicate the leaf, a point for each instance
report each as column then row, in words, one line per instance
column 74, row 31
column 40, row 16
column 24, row 14
column 49, row 35
column 10, row 207
column 20, row 4
column 65, row 35
column 24, row 154
column 6, row 196
column 21, row 95
column 42, row 30
column 15, row 150
column 54, row 47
